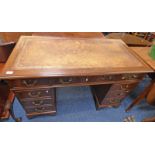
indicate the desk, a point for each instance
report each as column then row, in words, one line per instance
column 38, row 65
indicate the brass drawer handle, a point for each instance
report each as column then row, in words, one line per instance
column 31, row 83
column 127, row 91
column 64, row 81
column 34, row 95
column 39, row 109
column 36, row 103
column 87, row 79
column 135, row 76
column 110, row 77
column 126, row 86
column 115, row 100
column 123, row 78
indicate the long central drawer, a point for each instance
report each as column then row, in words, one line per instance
column 60, row 81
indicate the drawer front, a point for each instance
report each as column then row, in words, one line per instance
column 38, row 103
column 117, row 93
column 111, row 101
column 40, row 110
column 69, row 80
column 22, row 95
column 32, row 83
column 123, row 87
column 114, row 97
column 128, row 87
column 120, row 77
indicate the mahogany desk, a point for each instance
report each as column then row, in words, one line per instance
column 38, row 65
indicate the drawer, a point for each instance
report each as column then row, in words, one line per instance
column 124, row 87
column 38, row 103
column 35, row 93
column 69, row 80
column 112, row 101
column 116, row 94
column 46, row 82
column 31, row 83
column 107, row 78
column 40, row 110
column 131, row 76
column 72, row 80
column 88, row 79
column 128, row 86
column 128, row 77
column 120, row 90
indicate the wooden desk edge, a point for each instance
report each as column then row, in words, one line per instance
column 137, row 50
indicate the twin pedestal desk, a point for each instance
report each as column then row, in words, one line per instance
column 38, row 65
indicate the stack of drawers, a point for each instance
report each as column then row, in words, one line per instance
column 113, row 94
column 35, row 96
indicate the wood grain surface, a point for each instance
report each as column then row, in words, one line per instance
column 48, row 56
column 143, row 53
column 71, row 34
column 12, row 36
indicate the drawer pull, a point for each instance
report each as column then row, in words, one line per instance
column 123, row 87
column 36, row 103
column 65, row 81
column 135, row 76
column 34, row 95
column 127, row 91
column 31, row 83
column 116, row 100
column 39, row 109
column 110, row 77
column 86, row 79
column 123, row 77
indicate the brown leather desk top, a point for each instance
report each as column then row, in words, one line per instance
column 36, row 56
column 143, row 53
